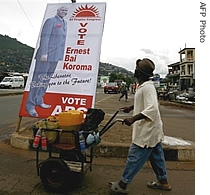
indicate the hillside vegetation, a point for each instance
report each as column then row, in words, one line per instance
column 16, row 57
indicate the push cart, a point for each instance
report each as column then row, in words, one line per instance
column 67, row 161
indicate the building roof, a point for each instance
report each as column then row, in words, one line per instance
column 174, row 64
column 189, row 48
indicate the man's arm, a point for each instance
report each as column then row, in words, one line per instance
column 131, row 120
column 45, row 38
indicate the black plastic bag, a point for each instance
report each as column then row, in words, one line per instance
column 93, row 119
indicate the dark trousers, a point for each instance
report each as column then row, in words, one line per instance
column 124, row 93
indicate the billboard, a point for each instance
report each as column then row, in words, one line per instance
column 64, row 69
column 104, row 80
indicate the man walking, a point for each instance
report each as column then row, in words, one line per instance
column 147, row 133
column 124, row 91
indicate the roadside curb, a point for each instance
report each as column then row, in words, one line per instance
column 172, row 153
column 177, row 104
column 23, row 140
column 9, row 93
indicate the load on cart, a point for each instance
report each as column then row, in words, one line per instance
column 69, row 139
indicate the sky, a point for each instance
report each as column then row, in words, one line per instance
column 133, row 29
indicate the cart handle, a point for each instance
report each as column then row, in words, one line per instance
column 104, row 128
column 109, row 126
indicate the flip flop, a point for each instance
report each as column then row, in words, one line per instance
column 158, row 185
column 114, row 186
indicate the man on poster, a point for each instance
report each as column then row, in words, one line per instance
column 50, row 51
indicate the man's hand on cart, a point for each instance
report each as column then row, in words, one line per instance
column 128, row 121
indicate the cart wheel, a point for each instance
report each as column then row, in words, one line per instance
column 54, row 174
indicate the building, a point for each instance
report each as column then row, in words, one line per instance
column 187, row 68
column 174, row 75
column 182, row 73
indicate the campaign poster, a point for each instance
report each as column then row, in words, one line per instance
column 64, row 68
column 104, row 80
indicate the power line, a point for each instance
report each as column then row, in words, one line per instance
column 24, row 12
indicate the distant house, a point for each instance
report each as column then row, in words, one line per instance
column 174, row 74
column 182, row 73
column 187, row 68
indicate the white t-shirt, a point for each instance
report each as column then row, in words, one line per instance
column 147, row 132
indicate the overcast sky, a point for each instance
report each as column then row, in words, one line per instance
column 133, row 29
